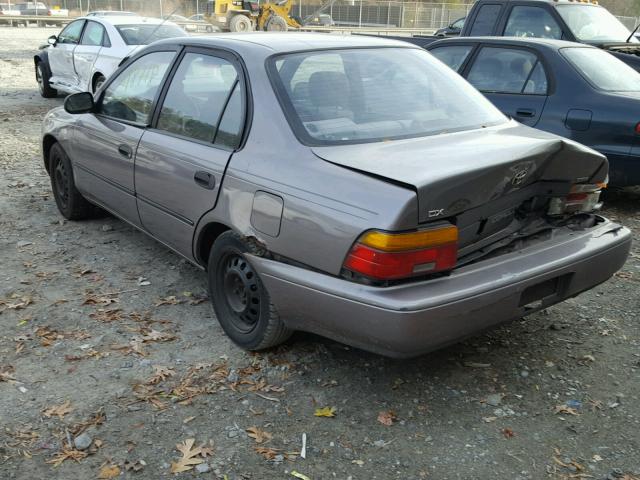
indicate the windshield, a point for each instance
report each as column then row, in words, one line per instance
column 591, row 23
column 367, row 95
column 145, row 34
column 603, row 70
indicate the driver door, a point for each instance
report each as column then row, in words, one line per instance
column 61, row 55
column 106, row 141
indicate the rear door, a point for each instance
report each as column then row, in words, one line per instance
column 86, row 53
column 513, row 78
column 61, row 54
column 181, row 160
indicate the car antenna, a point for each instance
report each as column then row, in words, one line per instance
column 160, row 24
column 633, row 33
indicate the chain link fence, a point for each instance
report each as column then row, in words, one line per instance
column 347, row 13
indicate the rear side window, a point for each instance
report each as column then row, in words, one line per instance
column 197, row 96
column 485, row 20
column 504, row 70
column 131, row 95
column 93, row 34
column 532, row 22
column 453, row 56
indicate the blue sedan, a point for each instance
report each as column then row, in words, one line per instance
column 570, row 89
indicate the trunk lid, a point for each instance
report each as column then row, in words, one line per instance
column 457, row 172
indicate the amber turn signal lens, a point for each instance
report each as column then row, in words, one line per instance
column 402, row 242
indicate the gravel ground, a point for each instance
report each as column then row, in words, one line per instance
column 108, row 343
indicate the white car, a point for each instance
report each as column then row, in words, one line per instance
column 88, row 50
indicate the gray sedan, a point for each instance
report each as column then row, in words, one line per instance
column 349, row 186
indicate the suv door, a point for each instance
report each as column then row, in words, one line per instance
column 513, row 79
column 182, row 158
column 86, row 53
column 106, row 141
column 61, row 54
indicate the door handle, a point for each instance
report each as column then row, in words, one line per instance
column 525, row 112
column 125, row 150
column 205, row 180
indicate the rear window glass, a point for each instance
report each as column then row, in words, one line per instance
column 603, row 70
column 145, row 34
column 377, row 94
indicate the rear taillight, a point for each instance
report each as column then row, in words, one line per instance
column 390, row 256
column 638, row 128
column 582, row 198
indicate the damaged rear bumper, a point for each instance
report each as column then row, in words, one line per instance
column 411, row 319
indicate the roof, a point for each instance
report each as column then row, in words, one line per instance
column 525, row 41
column 128, row 20
column 281, row 42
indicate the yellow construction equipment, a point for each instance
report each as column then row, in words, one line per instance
column 245, row 16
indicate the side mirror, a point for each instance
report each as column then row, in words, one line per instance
column 79, row 103
column 52, row 40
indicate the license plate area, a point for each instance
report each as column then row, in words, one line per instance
column 536, row 296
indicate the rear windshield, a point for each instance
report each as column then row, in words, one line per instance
column 145, row 34
column 603, row 70
column 591, row 23
column 375, row 94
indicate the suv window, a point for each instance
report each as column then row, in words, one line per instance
column 130, row 96
column 485, row 20
column 453, row 56
column 93, row 34
column 198, row 94
column 71, row 33
column 532, row 22
column 504, row 70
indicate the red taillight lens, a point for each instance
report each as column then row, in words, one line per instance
column 391, row 256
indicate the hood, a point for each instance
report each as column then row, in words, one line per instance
column 454, row 172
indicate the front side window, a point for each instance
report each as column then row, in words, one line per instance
column 485, row 20
column 532, row 22
column 453, row 56
column 603, row 70
column 131, row 95
column 144, row 34
column 93, row 34
column 197, row 96
column 375, row 94
column 71, row 33
column 504, row 70
column 591, row 23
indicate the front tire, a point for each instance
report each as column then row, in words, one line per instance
column 275, row 23
column 70, row 202
column 42, row 77
column 240, row 300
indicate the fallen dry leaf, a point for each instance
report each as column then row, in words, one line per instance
column 136, row 466
column 387, row 418
column 508, row 433
column 58, row 410
column 189, row 456
column 6, row 374
column 325, row 412
column 67, row 454
column 160, row 374
column 171, row 300
column 565, row 409
column 299, row 475
column 260, row 436
column 109, row 471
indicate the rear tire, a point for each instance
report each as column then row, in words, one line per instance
column 240, row 23
column 275, row 23
column 42, row 77
column 70, row 202
column 240, row 300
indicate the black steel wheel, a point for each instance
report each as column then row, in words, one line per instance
column 70, row 202
column 240, row 300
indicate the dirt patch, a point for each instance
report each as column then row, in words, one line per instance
column 110, row 357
